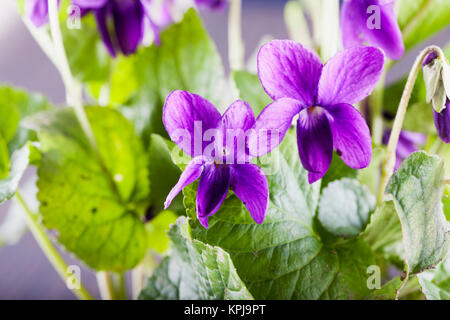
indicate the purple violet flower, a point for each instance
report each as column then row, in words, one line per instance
column 359, row 24
column 322, row 97
column 37, row 11
column 223, row 163
column 212, row 4
column 408, row 142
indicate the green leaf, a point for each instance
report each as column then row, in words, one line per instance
column 251, row 90
column 283, row 258
column 338, row 170
column 157, row 231
column 344, row 207
column 187, row 59
column 16, row 104
column 388, row 291
column 436, row 283
column 4, row 159
column 194, row 271
column 19, row 163
column 416, row 189
column 421, row 19
column 94, row 202
column 87, row 55
column 163, row 174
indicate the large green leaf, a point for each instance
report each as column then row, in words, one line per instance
column 416, row 189
column 421, row 19
column 194, row 271
column 436, row 283
column 344, row 207
column 284, row 257
column 95, row 202
column 163, row 174
column 251, row 90
column 337, row 170
column 187, row 59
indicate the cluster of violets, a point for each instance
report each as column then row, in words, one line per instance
column 131, row 18
column 321, row 97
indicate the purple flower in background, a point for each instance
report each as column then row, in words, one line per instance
column 212, row 4
column 322, row 97
column 374, row 22
column 408, row 142
column 222, row 164
column 37, row 11
column 130, row 18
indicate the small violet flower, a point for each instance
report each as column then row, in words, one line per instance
column 221, row 164
column 436, row 73
column 37, row 11
column 212, row 4
column 374, row 22
column 408, row 142
column 322, row 97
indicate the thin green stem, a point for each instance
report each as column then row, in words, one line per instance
column 74, row 92
column 389, row 161
column 236, row 49
column 105, row 285
column 49, row 250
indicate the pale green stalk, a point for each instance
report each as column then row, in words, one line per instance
column 236, row 50
column 48, row 249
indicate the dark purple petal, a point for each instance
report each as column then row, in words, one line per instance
column 212, row 191
column 249, row 183
column 350, row 76
column 128, row 23
column 315, row 142
column 429, row 58
column 272, row 124
column 442, row 122
column 101, row 15
column 351, row 135
column 288, row 70
column 37, row 11
column 233, row 125
column 357, row 26
column 191, row 173
column 90, row 4
column 186, row 116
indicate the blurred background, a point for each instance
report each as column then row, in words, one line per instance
column 25, row 272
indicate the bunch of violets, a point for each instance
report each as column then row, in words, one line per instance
column 320, row 98
column 131, row 18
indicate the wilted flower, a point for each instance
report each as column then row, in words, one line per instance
column 408, row 142
column 436, row 75
column 322, row 96
column 222, row 164
column 374, row 22
column 37, row 11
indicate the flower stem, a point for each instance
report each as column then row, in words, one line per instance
column 105, row 285
column 74, row 94
column 330, row 29
column 389, row 161
column 235, row 43
column 49, row 250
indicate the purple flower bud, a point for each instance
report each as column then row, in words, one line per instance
column 37, row 11
column 212, row 4
column 442, row 122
